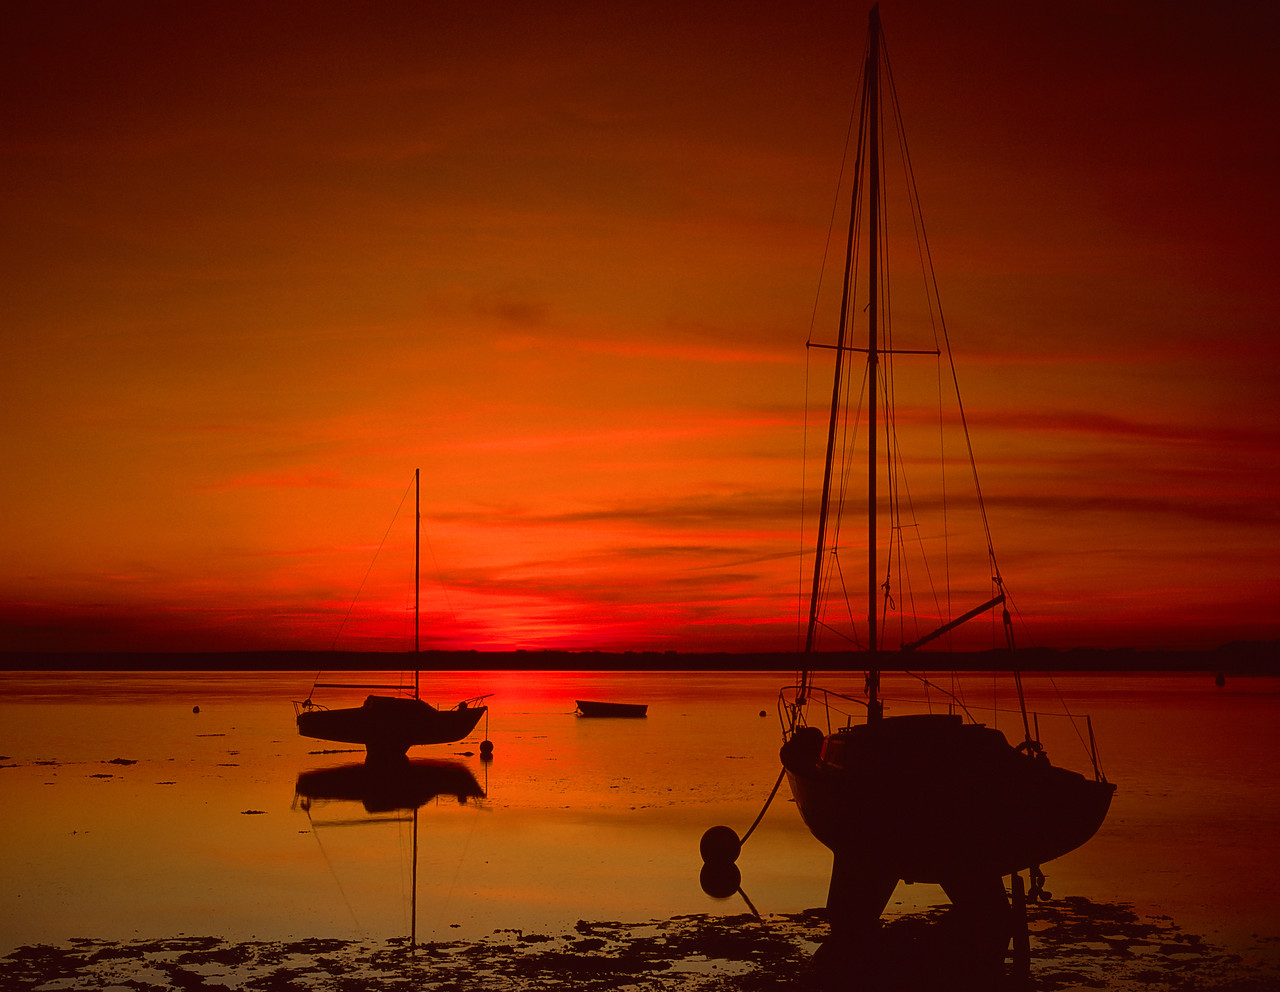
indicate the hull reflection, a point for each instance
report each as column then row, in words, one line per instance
column 384, row 788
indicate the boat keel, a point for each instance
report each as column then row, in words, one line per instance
column 858, row 894
column 966, row 949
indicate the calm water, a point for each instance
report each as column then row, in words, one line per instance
column 581, row 819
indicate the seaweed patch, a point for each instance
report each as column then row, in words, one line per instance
column 1076, row 944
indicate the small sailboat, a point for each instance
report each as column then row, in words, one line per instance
column 388, row 725
column 929, row 796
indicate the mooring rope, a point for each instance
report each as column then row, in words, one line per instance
column 765, row 808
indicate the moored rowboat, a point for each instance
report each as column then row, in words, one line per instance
column 587, row 707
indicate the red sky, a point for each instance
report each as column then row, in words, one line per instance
column 261, row 263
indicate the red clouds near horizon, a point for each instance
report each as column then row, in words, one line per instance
column 261, row 263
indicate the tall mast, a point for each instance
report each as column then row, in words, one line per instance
column 417, row 558
column 873, row 357
column 869, row 98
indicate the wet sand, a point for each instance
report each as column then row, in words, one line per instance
column 1076, row 944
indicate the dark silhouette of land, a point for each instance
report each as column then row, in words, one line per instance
column 1240, row 658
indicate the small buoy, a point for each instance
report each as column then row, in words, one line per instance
column 195, row 709
column 762, row 713
column 486, row 750
column 720, row 846
column 720, row 881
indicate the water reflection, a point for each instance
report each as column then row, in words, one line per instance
column 384, row 788
column 164, row 845
column 381, row 787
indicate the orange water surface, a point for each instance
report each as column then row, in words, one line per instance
column 197, row 829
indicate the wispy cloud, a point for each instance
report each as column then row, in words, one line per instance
column 1109, row 425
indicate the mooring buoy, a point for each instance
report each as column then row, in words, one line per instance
column 720, row 880
column 720, row 846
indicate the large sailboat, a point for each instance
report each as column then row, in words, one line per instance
column 895, row 792
column 387, row 725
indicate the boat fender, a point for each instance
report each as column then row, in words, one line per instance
column 804, row 748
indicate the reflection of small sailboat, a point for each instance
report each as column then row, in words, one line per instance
column 388, row 726
column 922, row 796
column 388, row 788
column 587, row 707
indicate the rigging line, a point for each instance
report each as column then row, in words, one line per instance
column 448, row 602
column 831, row 222
column 333, row 872
column 1074, row 717
column 913, row 195
column 457, row 871
column 381, row 544
column 848, row 605
column 917, row 217
column 851, row 638
column 921, row 677
column 964, row 420
column 813, row 320
column 889, row 401
column 917, row 214
column 1066, row 710
column 850, row 427
column 804, row 485
column 924, row 557
column 932, row 279
column 846, row 300
column 942, row 460
column 900, row 488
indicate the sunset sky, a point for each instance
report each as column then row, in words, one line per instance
column 260, row 262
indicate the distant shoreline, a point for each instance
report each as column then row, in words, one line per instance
column 1257, row 658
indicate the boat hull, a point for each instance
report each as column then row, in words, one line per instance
column 589, row 708
column 390, row 725
column 931, row 799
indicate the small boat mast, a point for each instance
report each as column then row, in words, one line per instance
column 417, row 568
